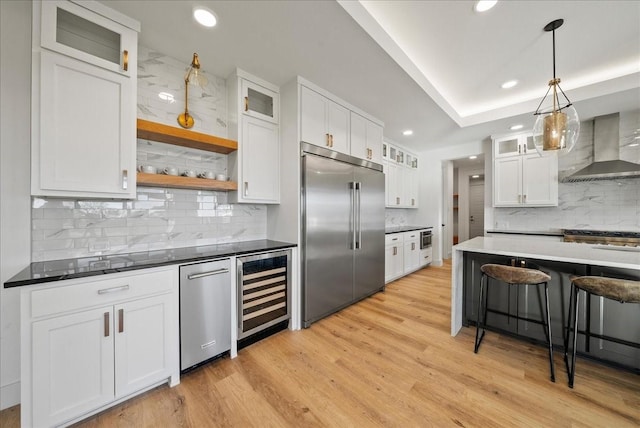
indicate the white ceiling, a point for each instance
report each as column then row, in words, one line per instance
column 431, row 66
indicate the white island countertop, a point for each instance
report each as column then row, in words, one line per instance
column 570, row 252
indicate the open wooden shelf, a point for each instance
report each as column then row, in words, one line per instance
column 179, row 182
column 183, row 137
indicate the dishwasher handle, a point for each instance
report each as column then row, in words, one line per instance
column 208, row 273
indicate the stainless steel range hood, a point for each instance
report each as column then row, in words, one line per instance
column 606, row 154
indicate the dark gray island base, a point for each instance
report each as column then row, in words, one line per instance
column 608, row 331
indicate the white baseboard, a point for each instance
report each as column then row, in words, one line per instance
column 9, row 395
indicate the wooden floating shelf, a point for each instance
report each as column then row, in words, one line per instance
column 179, row 182
column 183, row 137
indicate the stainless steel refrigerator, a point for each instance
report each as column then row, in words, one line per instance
column 343, row 231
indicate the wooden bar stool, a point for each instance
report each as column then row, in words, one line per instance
column 621, row 290
column 514, row 276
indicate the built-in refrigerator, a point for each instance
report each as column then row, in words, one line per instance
column 342, row 231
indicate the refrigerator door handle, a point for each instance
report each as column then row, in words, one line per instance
column 352, row 226
column 358, row 186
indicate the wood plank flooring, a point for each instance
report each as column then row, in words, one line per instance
column 386, row 361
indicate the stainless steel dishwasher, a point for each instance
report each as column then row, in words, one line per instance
column 205, row 311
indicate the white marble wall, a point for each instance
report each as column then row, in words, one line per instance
column 401, row 217
column 158, row 218
column 601, row 205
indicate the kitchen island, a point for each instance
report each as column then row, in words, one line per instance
column 560, row 260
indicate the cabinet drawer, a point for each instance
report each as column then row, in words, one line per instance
column 414, row 235
column 82, row 293
column 393, row 238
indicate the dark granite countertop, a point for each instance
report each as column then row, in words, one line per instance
column 550, row 232
column 400, row 229
column 57, row 270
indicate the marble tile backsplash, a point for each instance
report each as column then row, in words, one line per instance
column 158, row 218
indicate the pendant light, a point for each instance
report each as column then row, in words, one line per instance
column 193, row 77
column 557, row 126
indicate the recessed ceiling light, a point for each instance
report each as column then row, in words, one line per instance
column 475, row 176
column 166, row 96
column 516, row 127
column 473, row 157
column 509, row 84
column 407, row 132
column 484, row 5
column 205, row 17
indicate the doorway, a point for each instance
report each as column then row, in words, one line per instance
column 476, row 206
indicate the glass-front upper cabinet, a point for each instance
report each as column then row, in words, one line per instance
column 80, row 33
column 260, row 102
column 519, row 144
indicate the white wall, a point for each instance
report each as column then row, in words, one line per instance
column 431, row 185
column 15, row 141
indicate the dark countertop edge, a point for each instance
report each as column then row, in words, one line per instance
column 525, row 232
column 271, row 246
column 400, row 229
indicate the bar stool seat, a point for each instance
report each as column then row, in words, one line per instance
column 621, row 290
column 513, row 276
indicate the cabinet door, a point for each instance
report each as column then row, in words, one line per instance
column 411, row 256
column 374, row 141
column 142, row 343
column 507, row 184
column 507, row 147
column 86, row 142
column 260, row 102
column 359, row 136
column 73, row 365
column 73, row 30
column 409, row 187
column 313, row 118
column 394, row 263
column 260, row 161
column 540, row 180
column 393, row 185
column 338, row 126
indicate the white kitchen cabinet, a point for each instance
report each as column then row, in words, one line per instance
column 402, row 177
column 253, row 121
column 366, row 138
column 87, row 343
column 403, row 254
column 411, row 253
column 426, row 256
column 323, row 122
column 393, row 257
column 83, row 101
column 521, row 177
column 260, row 102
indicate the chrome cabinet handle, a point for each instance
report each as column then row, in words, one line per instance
column 120, row 320
column 398, row 200
column 125, row 60
column 413, row 246
column 524, row 199
column 395, row 251
column 208, row 273
column 125, row 179
column 113, row 289
column 106, row 324
column 246, row 188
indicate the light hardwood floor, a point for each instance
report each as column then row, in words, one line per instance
column 386, row 361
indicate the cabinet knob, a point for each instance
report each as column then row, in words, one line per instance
column 125, row 60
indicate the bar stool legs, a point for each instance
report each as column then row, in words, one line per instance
column 573, row 317
column 479, row 336
column 551, row 365
column 513, row 276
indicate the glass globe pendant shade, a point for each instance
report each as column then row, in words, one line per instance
column 556, row 131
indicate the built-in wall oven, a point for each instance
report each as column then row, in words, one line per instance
column 264, row 291
column 425, row 239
